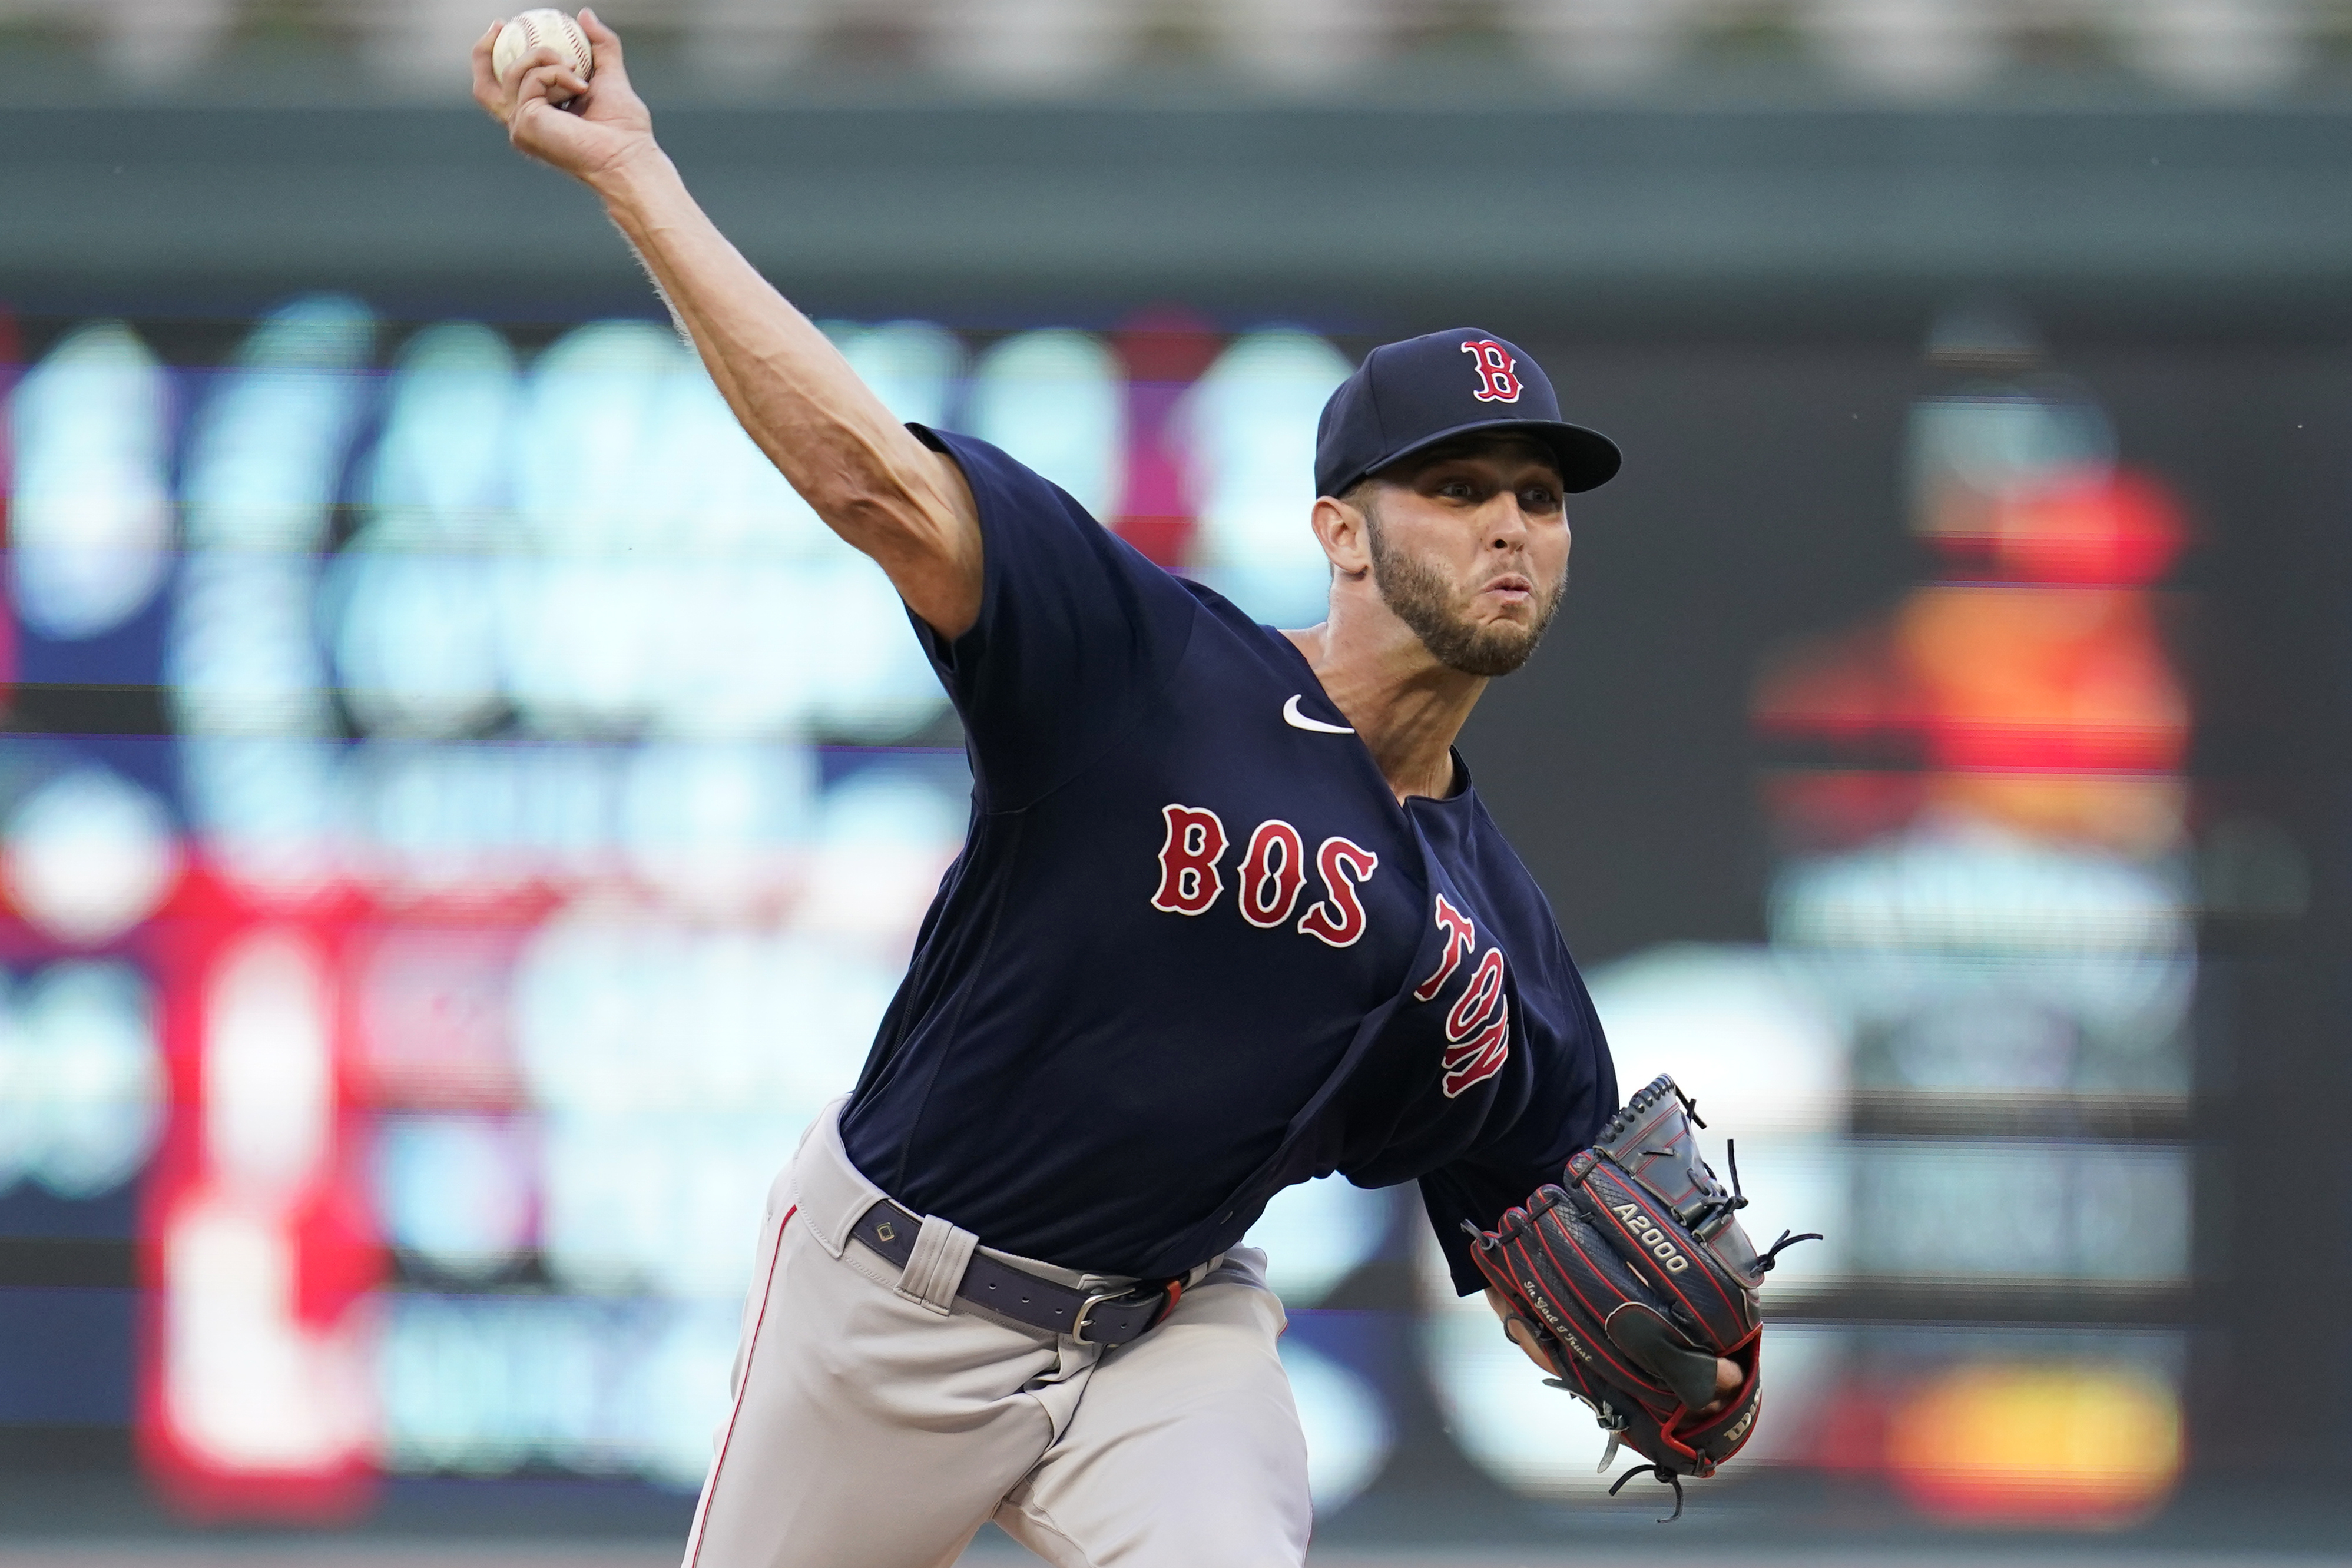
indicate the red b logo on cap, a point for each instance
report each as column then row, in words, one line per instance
column 1497, row 383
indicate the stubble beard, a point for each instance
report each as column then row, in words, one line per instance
column 1424, row 601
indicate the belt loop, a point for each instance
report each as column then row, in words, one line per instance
column 936, row 1267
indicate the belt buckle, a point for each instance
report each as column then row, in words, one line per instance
column 1168, row 1292
column 1086, row 1308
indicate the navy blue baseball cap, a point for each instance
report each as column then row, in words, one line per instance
column 1413, row 394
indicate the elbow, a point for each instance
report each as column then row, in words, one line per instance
column 863, row 511
column 882, row 521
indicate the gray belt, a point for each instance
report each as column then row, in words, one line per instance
column 1109, row 1318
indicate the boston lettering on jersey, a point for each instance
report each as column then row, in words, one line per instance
column 1272, row 875
column 1194, row 949
column 1270, row 878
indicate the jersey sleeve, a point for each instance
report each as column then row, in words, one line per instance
column 1568, row 1091
column 1076, row 630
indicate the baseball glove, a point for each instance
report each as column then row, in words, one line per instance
column 1632, row 1279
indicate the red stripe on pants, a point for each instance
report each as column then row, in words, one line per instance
column 767, row 1287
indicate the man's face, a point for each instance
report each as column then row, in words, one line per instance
column 1469, row 549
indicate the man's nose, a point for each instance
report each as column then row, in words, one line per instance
column 1508, row 527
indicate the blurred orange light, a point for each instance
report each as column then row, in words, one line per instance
column 2065, row 1444
column 2114, row 528
column 2043, row 677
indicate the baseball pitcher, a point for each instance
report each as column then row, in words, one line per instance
column 1230, row 916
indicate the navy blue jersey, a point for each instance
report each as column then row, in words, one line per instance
column 1194, row 950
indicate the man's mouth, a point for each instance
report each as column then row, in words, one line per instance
column 1510, row 588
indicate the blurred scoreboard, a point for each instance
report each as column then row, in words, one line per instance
column 465, row 815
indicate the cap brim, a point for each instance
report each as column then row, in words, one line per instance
column 1588, row 459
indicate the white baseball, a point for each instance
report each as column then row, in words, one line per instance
column 548, row 27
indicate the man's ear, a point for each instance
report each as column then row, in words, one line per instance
column 1345, row 536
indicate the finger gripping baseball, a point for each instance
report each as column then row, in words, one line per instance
column 1636, row 1276
column 545, row 28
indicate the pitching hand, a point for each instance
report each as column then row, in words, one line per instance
column 1728, row 1376
column 605, row 124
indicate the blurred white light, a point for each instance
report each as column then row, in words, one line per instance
column 883, row 837
column 153, row 44
column 455, row 1190
column 264, row 466
column 716, row 825
column 442, row 1381
column 1033, row 44
column 1959, row 914
column 1057, row 401
column 416, row 640
column 269, row 1071
column 2220, row 48
column 1303, row 42
column 267, row 453
column 2019, row 1209
column 480, row 819
column 674, row 1394
column 83, row 1078
column 1602, row 42
column 830, row 1002
column 1314, row 1233
column 267, row 807
column 244, row 659
column 734, row 501
column 24, row 1123
column 2000, row 443
column 737, row 43
column 1740, row 1033
column 870, row 679
column 444, row 467
column 676, row 1068
column 1249, row 424
column 410, row 604
column 606, row 1203
column 90, row 518
column 1908, row 49
column 575, row 634
column 662, row 1202
column 753, row 1021
column 659, row 574
column 1793, row 1183
column 1768, row 1063
column 586, row 998
column 90, row 855
column 1349, row 1433
column 487, row 1385
column 740, row 645
column 248, row 1384
column 911, row 366
column 589, row 479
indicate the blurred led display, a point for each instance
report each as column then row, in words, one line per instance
column 82, row 1078
column 90, row 509
column 552, row 800
column 562, row 799
column 1982, row 912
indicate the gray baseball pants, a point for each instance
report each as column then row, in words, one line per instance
column 877, row 1422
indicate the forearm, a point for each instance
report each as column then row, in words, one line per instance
column 790, row 387
column 873, row 483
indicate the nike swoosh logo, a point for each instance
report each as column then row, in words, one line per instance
column 1297, row 720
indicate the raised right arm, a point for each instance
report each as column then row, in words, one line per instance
column 872, row 482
